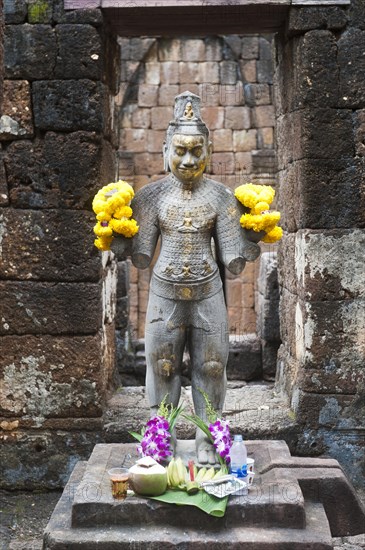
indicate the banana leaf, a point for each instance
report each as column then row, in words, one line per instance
column 208, row 503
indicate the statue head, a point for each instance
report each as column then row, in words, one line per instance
column 187, row 147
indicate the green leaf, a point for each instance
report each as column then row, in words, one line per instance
column 136, row 435
column 208, row 503
column 175, row 413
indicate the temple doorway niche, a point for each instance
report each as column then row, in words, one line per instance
column 233, row 76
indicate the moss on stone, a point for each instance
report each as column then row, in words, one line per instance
column 39, row 11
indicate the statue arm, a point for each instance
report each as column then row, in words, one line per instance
column 143, row 245
column 234, row 248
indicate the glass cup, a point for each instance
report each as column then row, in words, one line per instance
column 119, row 482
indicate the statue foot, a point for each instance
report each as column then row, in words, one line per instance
column 205, row 449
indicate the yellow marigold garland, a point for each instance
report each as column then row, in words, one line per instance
column 258, row 199
column 113, row 213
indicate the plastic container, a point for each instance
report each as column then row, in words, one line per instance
column 238, row 456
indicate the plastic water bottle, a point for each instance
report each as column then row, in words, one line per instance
column 238, row 456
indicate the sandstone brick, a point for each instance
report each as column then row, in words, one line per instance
column 126, row 164
column 228, row 72
column 133, row 140
column 152, row 75
column 147, row 95
column 244, row 140
column 250, row 47
column 192, row 50
column 167, row 93
column 213, row 117
column 263, row 115
column 269, row 359
column 169, row 49
column 222, row 163
column 267, row 322
column 52, row 377
column 51, row 245
column 213, row 48
column 192, row 87
column 64, row 170
column 332, row 17
column 265, row 71
column 69, row 105
column 326, row 410
column 148, row 163
column 265, row 138
column 231, row 94
column 30, row 51
column 222, row 140
column 155, row 141
column 248, row 70
column 17, row 105
column 208, row 72
column 247, row 321
column 244, row 361
column 79, row 52
column 133, row 295
column 170, row 72
column 48, row 308
column 141, row 118
column 352, row 72
column 257, row 94
column 237, row 118
column 210, row 94
column 264, row 161
column 188, row 72
column 15, row 11
column 160, row 117
column 234, row 293
column 243, row 163
column 139, row 182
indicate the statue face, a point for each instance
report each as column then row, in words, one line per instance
column 188, row 157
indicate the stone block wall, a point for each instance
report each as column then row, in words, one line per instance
column 57, row 147
column 233, row 76
column 320, row 133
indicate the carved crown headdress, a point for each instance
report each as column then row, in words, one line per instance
column 187, row 120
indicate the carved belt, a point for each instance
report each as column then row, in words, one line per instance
column 186, row 291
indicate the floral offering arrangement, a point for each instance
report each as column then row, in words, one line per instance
column 113, row 213
column 258, row 199
column 155, row 436
column 217, row 432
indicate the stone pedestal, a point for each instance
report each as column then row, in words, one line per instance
column 295, row 503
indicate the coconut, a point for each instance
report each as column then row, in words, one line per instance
column 147, row 477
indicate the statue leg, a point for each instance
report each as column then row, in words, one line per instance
column 164, row 348
column 209, row 347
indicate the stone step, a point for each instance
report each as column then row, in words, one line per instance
column 254, row 410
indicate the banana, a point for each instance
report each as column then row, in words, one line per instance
column 218, row 474
column 181, row 470
column 201, row 473
column 209, row 474
column 175, row 479
column 169, row 472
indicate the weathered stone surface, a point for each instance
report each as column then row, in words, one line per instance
column 324, row 335
column 15, row 11
column 43, row 460
column 267, row 320
column 307, row 18
column 47, row 377
column 250, row 47
column 69, row 105
column 267, row 282
column 359, row 126
column 269, row 359
column 265, row 71
column 315, row 134
column 244, row 360
column 82, row 16
column 356, row 14
column 339, row 184
column 17, row 105
column 4, row 192
column 50, row 308
column 264, row 161
column 79, row 52
column 30, row 51
column 61, row 171
column 48, row 245
column 309, row 265
column 351, row 47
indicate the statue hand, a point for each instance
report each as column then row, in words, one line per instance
column 121, row 247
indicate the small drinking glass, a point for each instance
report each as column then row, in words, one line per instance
column 119, row 482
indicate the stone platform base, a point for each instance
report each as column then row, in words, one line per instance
column 295, row 503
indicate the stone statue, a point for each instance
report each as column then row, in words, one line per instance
column 198, row 220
